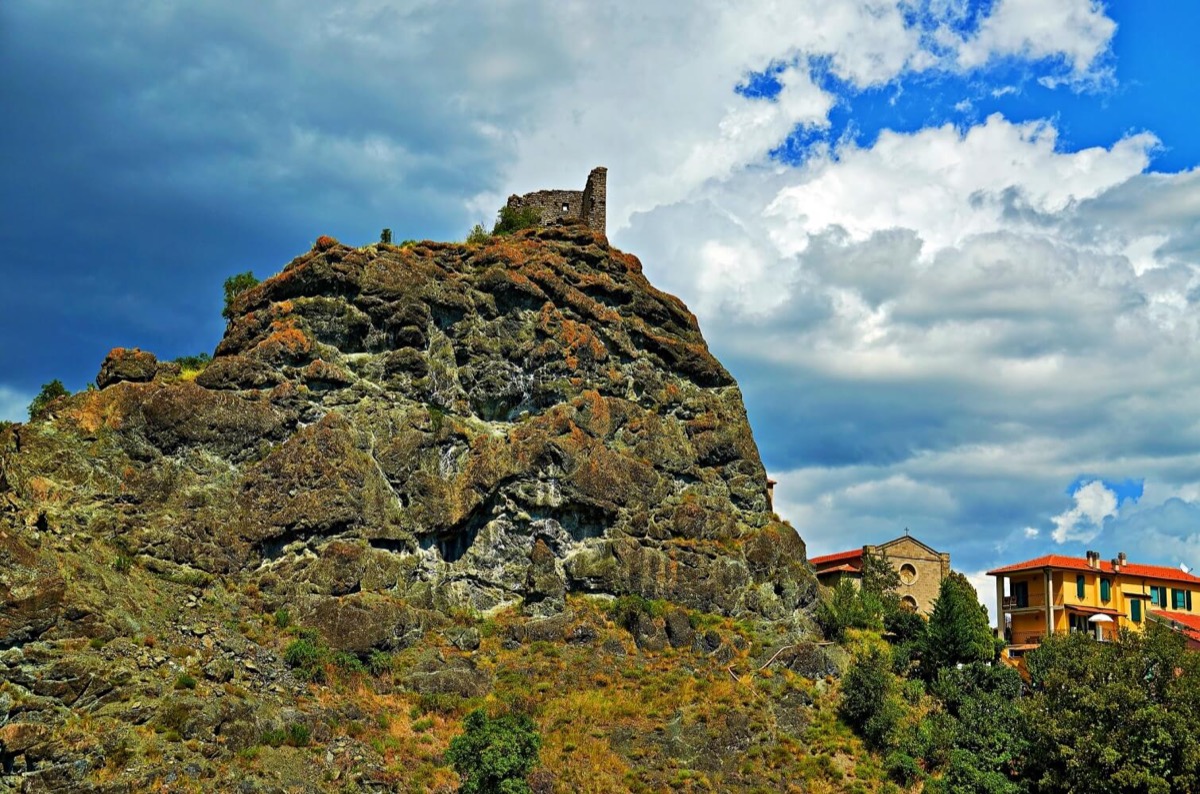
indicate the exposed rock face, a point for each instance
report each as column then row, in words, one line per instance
column 389, row 435
column 457, row 426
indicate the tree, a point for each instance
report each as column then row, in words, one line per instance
column 478, row 234
column 494, row 754
column 881, row 579
column 958, row 630
column 510, row 219
column 869, row 698
column 234, row 286
column 848, row 606
column 385, row 236
column 50, row 392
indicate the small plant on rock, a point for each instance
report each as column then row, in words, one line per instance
column 307, row 658
column 50, row 392
column 235, row 286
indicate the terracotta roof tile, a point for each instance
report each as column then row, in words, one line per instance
column 1080, row 564
column 1187, row 623
column 841, row 556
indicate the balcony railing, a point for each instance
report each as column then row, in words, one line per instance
column 1010, row 603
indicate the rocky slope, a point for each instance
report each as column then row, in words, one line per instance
column 389, row 445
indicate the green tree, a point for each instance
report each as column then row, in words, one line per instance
column 1118, row 716
column 870, row 701
column 385, row 236
column 234, row 286
column 493, row 755
column 881, row 579
column 958, row 630
column 848, row 607
column 478, row 234
column 510, row 219
column 50, row 392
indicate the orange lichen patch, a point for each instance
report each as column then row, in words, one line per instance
column 594, row 413
column 581, row 343
column 504, row 249
column 325, row 242
column 631, row 262
column 40, row 488
column 93, row 412
column 284, row 339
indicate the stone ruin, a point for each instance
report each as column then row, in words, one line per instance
column 587, row 205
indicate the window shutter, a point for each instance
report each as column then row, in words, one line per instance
column 1079, row 586
column 1105, row 590
column 1135, row 610
column 1189, row 600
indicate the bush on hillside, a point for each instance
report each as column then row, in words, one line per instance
column 511, row 219
column 494, row 754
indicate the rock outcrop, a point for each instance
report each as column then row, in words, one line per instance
column 385, row 437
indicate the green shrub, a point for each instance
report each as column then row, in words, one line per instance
column 283, row 618
column 626, row 609
column 344, row 660
column 307, row 658
column 869, row 702
column 234, row 286
column 195, row 363
column 122, row 564
column 848, row 607
column 275, row 737
column 385, row 236
column 902, row 768
column 379, row 662
column 185, row 681
column 50, row 392
column 297, row 735
column 493, row 755
column 478, row 234
column 510, row 219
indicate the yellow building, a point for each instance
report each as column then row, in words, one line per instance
column 1060, row 594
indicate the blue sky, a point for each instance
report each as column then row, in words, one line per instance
column 950, row 249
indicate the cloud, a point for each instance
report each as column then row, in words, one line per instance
column 1032, row 532
column 1077, row 32
column 14, row 404
column 1094, row 502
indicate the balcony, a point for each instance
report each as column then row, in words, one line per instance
column 1010, row 604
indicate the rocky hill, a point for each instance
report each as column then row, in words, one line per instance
column 442, row 469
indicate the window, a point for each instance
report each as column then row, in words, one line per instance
column 1105, row 590
column 1158, row 596
column 1021, row 593
column 1135, row 610
column 566, row 206
column 909, row 603
column 1079, row 586
column 908, row 573
column 1179, row 599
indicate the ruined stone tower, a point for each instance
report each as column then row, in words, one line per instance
column 588, row 205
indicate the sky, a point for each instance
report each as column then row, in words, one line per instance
column 949, row 249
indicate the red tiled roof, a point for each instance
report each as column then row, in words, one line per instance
column 841, row 556
column 1186, row 623
column 1080, row 564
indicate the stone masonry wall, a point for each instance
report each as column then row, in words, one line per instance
column 588, row 205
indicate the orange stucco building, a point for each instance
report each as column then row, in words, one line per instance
column 1056, row 593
